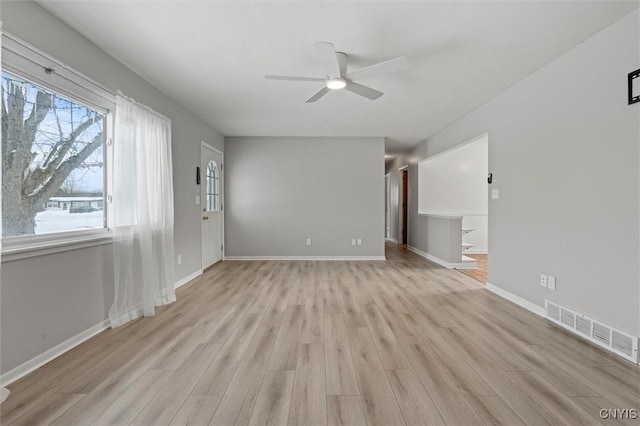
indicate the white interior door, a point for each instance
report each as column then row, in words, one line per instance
column 211, row 185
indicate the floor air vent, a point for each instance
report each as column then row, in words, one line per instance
column 614, row 340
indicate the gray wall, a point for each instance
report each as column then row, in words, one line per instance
column 281, row 191
column 564, row 152
column 48, row 299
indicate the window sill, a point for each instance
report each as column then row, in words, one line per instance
column 27, row 249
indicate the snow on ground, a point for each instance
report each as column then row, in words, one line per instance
column 61, row 220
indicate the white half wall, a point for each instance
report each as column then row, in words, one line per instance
column 281, row 191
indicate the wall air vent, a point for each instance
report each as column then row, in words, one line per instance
column 622, row 342
column 553, row 311
column 601, row 333
column 583, row 326
column 568, row 318
column 609, row 338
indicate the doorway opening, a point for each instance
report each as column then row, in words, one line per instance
column 453, row 191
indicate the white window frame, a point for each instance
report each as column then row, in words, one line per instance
column 25, row 61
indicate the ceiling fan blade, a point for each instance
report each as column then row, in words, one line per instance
column 327, row 57
column 292, row 78
column 318, row 95
column 391, row 65
column 365, row 91
column 342, row 62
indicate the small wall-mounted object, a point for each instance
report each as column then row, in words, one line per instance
column 490, row 178
column 197, row 175
column 634, row 86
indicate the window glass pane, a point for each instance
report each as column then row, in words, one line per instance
column 212, row 187
column 52, row 150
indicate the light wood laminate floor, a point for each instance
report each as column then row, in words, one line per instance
column 313, row 343
column 480, row 273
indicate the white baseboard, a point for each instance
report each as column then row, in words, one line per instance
column 40, row 360
column 530, row 306
column 472, row 251
column 448, row 265
column 188, row 278
column 305, row 258
column 393, row 240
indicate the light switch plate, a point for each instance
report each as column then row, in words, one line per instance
column 308, row 241
column 495, row 194
column 197, row 200
column 359, row 241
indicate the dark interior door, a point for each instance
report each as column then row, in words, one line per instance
column 405, row 186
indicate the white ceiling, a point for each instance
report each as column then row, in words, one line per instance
column 211, row 57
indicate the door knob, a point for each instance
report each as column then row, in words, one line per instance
column 205, row 217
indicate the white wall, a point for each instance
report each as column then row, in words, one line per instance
column 48, row 299
column 565, row 154
column 454, row 183
column 281, row 191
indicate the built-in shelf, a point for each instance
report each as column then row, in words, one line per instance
column 466, row 246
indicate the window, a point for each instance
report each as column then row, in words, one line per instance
column 53, row 153
column 56, row 124
column 213, row 189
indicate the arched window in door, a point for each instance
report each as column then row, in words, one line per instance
column 213, row 187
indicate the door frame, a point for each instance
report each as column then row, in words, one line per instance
column 402, row 199
column 205, row 145
column 387, row 206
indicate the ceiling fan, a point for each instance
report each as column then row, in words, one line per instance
column 337, row 77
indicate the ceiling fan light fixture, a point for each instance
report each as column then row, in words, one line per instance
column 336, row 83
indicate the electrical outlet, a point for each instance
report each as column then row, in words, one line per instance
column 495, row 194
column 308, row 241
column 551, row 283
column 197, row 200
column 359, row 241
column 179, row 259
column 543, row 281
column 353, row 241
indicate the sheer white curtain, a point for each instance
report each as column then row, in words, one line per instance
column 143, row 212
column 4, row 392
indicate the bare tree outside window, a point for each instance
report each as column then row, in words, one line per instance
column 52, row 161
